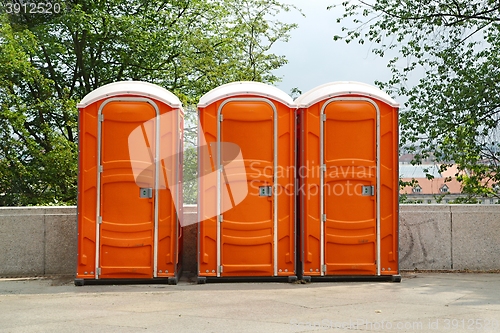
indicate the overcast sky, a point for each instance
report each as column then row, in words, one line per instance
column 314, row 58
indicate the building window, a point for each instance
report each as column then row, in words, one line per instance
column 417, row 189
column 444, row 189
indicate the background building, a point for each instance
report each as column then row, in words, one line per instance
column 431, row 185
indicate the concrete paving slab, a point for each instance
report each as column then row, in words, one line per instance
column 422, row 302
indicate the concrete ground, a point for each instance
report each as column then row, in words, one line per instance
column 422, row 302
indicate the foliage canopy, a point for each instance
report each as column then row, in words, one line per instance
column 49, row 62
column 453, row 113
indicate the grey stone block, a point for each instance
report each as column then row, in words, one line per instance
column 476, row 237
column 60, row 244
column 425, row 237
column 24, row 211
column 60, row 210
column 21, row 244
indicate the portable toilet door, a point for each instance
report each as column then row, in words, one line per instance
column 246, row 203
column 129, row 193
column 348, row 178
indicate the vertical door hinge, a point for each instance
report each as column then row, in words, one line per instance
column 220, row 269
column 221, row 218
column 323, row 217
column 323, row 268
column 101, row 168
column 323, row 117
column 99, row 220
column 221, row 117
column 99, row 271
column 101, row 117
column 323, row 168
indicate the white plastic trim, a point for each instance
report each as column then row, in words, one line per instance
column 343, row 88
column 246, row 88
column 131, row 88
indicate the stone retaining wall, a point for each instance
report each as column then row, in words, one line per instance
column 36, row 241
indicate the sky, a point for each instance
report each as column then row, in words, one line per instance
column 314, row 58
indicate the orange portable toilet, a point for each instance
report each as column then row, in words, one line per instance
column 246, row 203
column 129, row 193
column 348, row 175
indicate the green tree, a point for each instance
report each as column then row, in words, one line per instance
column 190, row 167
column 37, row 138
column 452, row 113
column 50, row 61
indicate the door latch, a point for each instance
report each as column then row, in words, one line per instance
column 146, row 192
column 265, row 191
column 368, row 190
